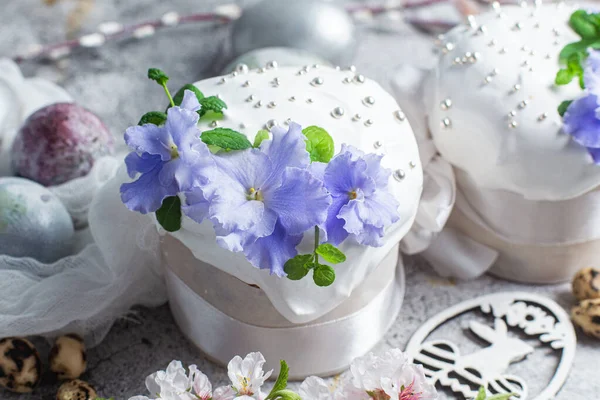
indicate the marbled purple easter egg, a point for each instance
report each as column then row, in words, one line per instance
column 58, row 143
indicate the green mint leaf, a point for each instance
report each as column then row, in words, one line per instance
column 324, row 275
column 503, row 396
column 330, row 253
column 319, row 144
column 158, row 76
column 153, row 117
column 285, row 395
column 296, row 268
column 260, row 136
column 481, row 395
column 563, row 77
column 562, row 108
column 169, row 214
column 178, row 98
column 211, row 103
column 577, row 47
column 225, row 138
column 574, row 66
column 583, row 24
column 281, row 382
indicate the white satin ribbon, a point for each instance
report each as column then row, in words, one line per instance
column 224, row 317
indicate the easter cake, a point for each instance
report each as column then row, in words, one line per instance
column 292, row 187
column 499, row 107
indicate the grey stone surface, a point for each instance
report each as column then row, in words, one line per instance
column 111, row 81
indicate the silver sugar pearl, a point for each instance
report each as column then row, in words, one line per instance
column 399, row 175
column 377, row 144
column 399, row 115
column 258, row 104
column 446, row 104
column 222, row 81
column 293, row 98
column 446, row 123
column 512, row 113
column 338, row 112
column 503, row 50
column 271, row 64
column 517, row 26
column 317, row 81
column 272, row 104
column 482, row 30
column 347, row 80
column 242, row 68
column 250, row 98
column 352, row 68
column 542, row 117
column 448, row 47
column 412, row 165
column 309, row 101
column 357, row 117
column 242, row 126
column 369, row 101
column 516, row 87
column 214, row 124
column 246, row 84
column 513, row 124
column 234, row 74
column 488, row 79
column 492, row 43
column 523, row 104
column 369, row 122
column 271, row 123
column 359, row 79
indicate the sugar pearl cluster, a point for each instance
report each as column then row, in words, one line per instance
column 299, row 94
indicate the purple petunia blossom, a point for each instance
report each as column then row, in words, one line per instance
column 362, row 206
column 167, row 157
column 263, row 200
column 582, row 118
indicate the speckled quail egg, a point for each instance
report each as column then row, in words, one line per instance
column 586, row 284
column 33, row 221
column 68, row 357
column 76, row 390
column 587, row 316
column 20, row 365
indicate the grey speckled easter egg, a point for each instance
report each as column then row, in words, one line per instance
column 33, row 222
column 315, row 26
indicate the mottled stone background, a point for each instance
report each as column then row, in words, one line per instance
column 111, row 81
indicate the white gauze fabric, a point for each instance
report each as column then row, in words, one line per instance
column 115, row 262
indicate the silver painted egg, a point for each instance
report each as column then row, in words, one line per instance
column 316, row 26
column 283, row 56
column 33, row 221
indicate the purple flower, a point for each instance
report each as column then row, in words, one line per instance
column 263, row 200
column 582, row 118
column 168, row 158
column 362, row 206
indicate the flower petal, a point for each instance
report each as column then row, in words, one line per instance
column 149, row 139
column 366, row 234
column 301, row 202
column 140, row 164
column 344, row 175
column 334, row 226
column 272, row 252
column 287, row 148
column 196, row 205
column 190, row 101
column 224, row 393
column 146, row 194
column 182, row 124
column 580, row 121
column 380, row 209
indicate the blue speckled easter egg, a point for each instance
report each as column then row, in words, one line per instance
column 33, row 221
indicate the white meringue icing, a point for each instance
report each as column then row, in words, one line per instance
column 492, row 104
column 310, row 96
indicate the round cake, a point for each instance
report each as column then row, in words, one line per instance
column 492, row 104
column 354, row 111
column 503, row 105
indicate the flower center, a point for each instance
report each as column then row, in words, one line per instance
column 352, row 195
column 174, row 151
column 254, row 194
column 245, row 389
column 408, row 392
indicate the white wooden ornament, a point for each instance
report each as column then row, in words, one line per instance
column 533, row 314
